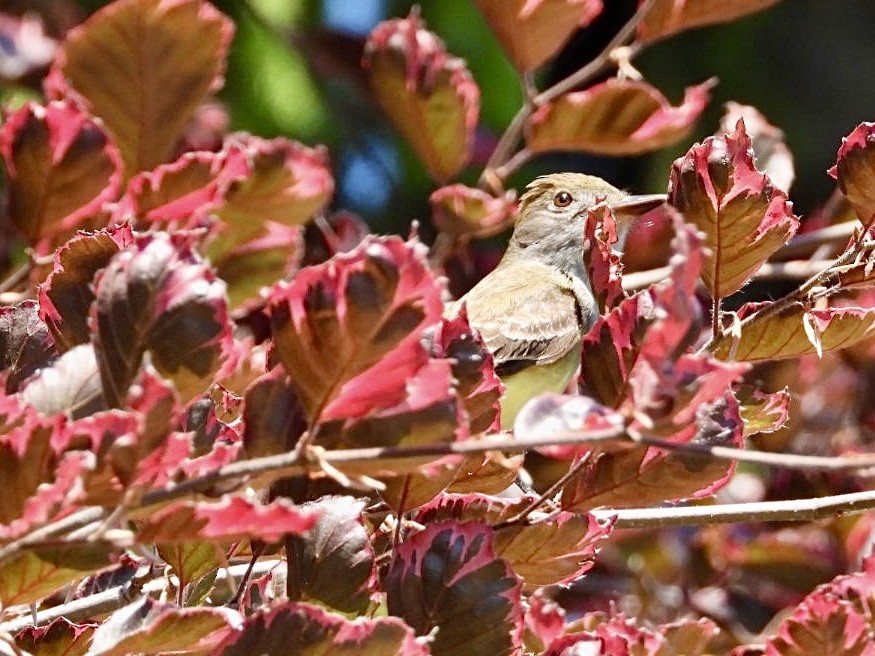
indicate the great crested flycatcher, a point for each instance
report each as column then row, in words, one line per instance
column 533, row 308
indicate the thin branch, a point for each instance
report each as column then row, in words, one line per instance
column 795, row 510
column 583, row 75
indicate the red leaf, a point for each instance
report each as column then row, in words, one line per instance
column 601, row 261
column 467, row 213
column 745, row 219
column 855, row 170
column 771, row 154
column 617, row 117
column 448, row 573
column 159, row 296
column 822, row 624
column 314, row 630
column 363, row 312
column 66, row 296
column 61, row 167
column 148, row 626
column 428, row 94
column 159, row 74
column 532, row 32
column 230, row 518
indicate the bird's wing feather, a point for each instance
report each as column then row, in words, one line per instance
column 527, row 315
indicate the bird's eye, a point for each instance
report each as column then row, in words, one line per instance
column 562, row 199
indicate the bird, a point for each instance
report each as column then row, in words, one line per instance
column 532, row 310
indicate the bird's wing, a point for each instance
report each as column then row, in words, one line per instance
column 526, row 315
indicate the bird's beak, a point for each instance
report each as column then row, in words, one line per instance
column 637, row 205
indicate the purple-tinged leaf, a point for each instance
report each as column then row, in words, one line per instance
column 447, row 574
column 230, row 518
column 66, row 296
column 463, row 213
column 339, row 328
column 668, row 17
column 428, row 94
column 855, row 170
column 59, row 638
column 763, row 412
column 25, row 343
column 151, row 627
column 473, row 369
column 313, row 630
column 158, row 296
column 617, row 117
column 600, row 260
column 553, row 550
column 159, row 74
column 745, row 218
column 273, row 419
column 532, row 32
column 61, row 166
column 794, row 332
column 332, row 563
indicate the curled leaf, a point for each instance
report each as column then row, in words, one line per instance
column 464, row 212
column 745, row 218
column 532, row 32
column 770, row 151
column 617, row 117
column 428, row 94
column 855, row 170
column 61, row 167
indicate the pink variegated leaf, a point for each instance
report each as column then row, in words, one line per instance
column 855, row 170
column 745, row 218
column 795, row 331
column 227, row 519
column 770, row 151
column 617, row 117
column 159, row 74
column 428, row 94
column 182, row 193
column 462, row 212
column 314, row 630
column 338, row 233
column 61, row 167
column 600, row 260
column 668, row 17
column 822, row 623
column 647, row 475
column 148, row 626
column 158, row 296
column 545, row 621
column 554, row 551
column 447, row 573
column 66, row 296
column 333, row 563
column 763, row 412
column 361, row 313
column 532, row 31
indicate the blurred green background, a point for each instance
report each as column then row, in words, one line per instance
column 294, row 70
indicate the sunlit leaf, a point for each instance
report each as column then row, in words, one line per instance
column 428, row 94
column 159, row 73
column 445, row 575
column 744, row 217
column 763, row 412
column 855, row 170
column 32, row 575
column 617, row 117
column 61, row 167
column 463, row 212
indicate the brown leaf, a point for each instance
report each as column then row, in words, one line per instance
column 671, row 16
column 617, row 117
column 855, row 170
